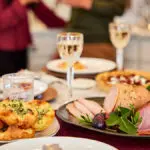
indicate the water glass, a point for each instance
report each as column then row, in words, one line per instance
column 18, row 87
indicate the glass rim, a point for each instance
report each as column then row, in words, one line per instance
column 70, row 34
column 17, row 76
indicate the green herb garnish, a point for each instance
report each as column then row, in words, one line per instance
column 127, row 120
column 148, row 88
column 41, row 113
column 86, row 120
column 18, row 107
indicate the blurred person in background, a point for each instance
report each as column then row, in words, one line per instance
column 138, row 13
column 14, row 31
column 92, row 18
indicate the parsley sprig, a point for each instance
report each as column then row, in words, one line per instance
column 86, row 120
column 126, row 120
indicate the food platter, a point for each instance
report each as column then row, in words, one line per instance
column 92, row 66
column 64, row 115
column 50, row 131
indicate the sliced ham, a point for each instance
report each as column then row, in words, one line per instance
column 92, row 106
column 83, row 109
column 144, row 127
column 111, row 99
column 73, row 110
column 124, row 95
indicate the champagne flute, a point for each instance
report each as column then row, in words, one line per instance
column 70, row 46
column 120, row 36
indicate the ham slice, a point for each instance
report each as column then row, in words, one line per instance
column 111, row 99
column 144, row 127
column 83, row 109
column 73, row 110
column 124, row 95
column 92, row 106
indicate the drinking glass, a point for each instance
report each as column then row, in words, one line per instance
column 18, row 87
column 120, row 36
column 70, row 46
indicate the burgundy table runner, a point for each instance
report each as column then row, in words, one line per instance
column 122, row 143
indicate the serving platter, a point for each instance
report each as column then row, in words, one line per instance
column 93, row 66
column 64, row 115
column 50, row 131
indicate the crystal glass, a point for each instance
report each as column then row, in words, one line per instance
column 70, row 46
column 120, row 36
column 18, row 87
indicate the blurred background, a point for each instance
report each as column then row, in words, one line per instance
column 136, row 53
column 44, row 39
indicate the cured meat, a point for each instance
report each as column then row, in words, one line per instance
column 111, row 99
column 125, row 95
column 73, row 110
column 92, row 106
column 144, row 127
column 83, row 109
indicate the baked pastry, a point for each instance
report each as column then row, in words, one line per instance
column 45, row 114
column 17, row 112
column 19, row 119
column 132, row 77
column 1, row 124
column 14, row 132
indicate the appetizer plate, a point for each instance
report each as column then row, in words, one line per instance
column 63, row 142
column 64, row 115
column 39, row 87
column 93, row 65
column 50, row 131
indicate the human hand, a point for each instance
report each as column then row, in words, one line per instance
column 26, row 2
column 86, row 4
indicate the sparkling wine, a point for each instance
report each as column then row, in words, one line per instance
column 120, row 38
column 70, row 52
column 70, row 46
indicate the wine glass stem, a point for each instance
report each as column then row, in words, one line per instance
column 70, row 76
column 119, row 59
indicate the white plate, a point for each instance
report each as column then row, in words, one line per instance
column 75, row 144
column 39, row 87
column 50, row 131
column 82, row 83
column 94, row 65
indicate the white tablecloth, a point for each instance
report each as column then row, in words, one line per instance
column 63, row 91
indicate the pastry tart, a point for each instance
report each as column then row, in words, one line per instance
column 132, row 77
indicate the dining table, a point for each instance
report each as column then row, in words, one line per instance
column 121, row 143
column 69, row 130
